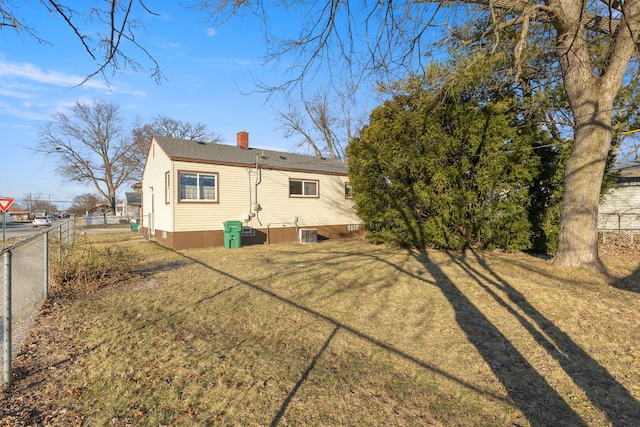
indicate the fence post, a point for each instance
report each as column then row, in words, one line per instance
column 59, row 242
column 6, row 317
column 46, row 265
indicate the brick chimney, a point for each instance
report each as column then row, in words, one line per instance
column 243, row 139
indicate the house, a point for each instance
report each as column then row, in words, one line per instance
column 132, row 204
column 191, row 189
column 18, row 214
column 119, row 209
column 620, row 208
column 100, row 208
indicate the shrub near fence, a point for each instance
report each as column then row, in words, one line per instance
column 24, row 271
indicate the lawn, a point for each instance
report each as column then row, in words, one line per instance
column 338, row 333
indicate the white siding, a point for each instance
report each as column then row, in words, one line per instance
column 236, row 192
column 233, row 198
column 153, row 192
column 620, row 209
column 328, row 209
column 622, row 199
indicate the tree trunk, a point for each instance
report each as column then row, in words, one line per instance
column 578, row 237
column 591, row 95
column 591, row 102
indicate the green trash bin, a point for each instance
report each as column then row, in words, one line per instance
column 232, row 234
column 135, row 226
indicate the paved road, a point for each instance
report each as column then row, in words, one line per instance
column 19, row 230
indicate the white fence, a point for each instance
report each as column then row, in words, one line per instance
column 620, row 225
column 102, row 219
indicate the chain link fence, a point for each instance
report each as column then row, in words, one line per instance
column 24, row 272
column 619, row 227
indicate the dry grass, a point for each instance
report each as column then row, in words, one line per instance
column 339, row 333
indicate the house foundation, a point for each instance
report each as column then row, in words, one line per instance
column 251, row 236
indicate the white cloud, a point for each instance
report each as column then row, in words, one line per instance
column 13, row 93
column 169, row 45
column 25, row 70
column 21, row 112
column 223, row 63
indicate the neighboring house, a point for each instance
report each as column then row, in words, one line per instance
column 18, row 214
column 132, row 204
column 190, row 189
column 620, row 209
column 101, row 208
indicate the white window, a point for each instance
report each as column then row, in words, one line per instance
column 347, row 190
column 303, row 188
column 198, row 186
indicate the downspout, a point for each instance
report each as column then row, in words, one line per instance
column 152, row 217
column 250, row 194
column 256, row 206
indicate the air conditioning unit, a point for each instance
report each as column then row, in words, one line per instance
column 308, row 235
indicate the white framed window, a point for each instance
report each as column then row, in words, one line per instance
column 198, row 186
column 303, row 188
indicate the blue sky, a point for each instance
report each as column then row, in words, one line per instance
column 207, row 70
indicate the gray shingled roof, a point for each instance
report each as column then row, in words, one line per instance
column 186, row 150
column 133, row 199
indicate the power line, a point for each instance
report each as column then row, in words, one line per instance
column 628, row 132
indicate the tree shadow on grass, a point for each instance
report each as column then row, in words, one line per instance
column 630, row 283
column 339, row 326
column 532, row 394
column 602, row 389
column 540, row 403
column 529, row 391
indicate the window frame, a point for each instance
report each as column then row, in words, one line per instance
column 303, row 181
column 347, row 193
column 167, row 187
column 198, row 199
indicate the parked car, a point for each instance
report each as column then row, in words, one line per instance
column 41, row 220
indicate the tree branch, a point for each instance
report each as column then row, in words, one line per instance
column 538, row 13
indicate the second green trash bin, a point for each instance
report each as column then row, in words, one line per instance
column 232, row 234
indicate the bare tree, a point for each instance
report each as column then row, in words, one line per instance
column 118, row 24
column 628, row 151
column 83, row 203
column 36, row 203
column 168, row 127
column 90, row 146
column 320, row 126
